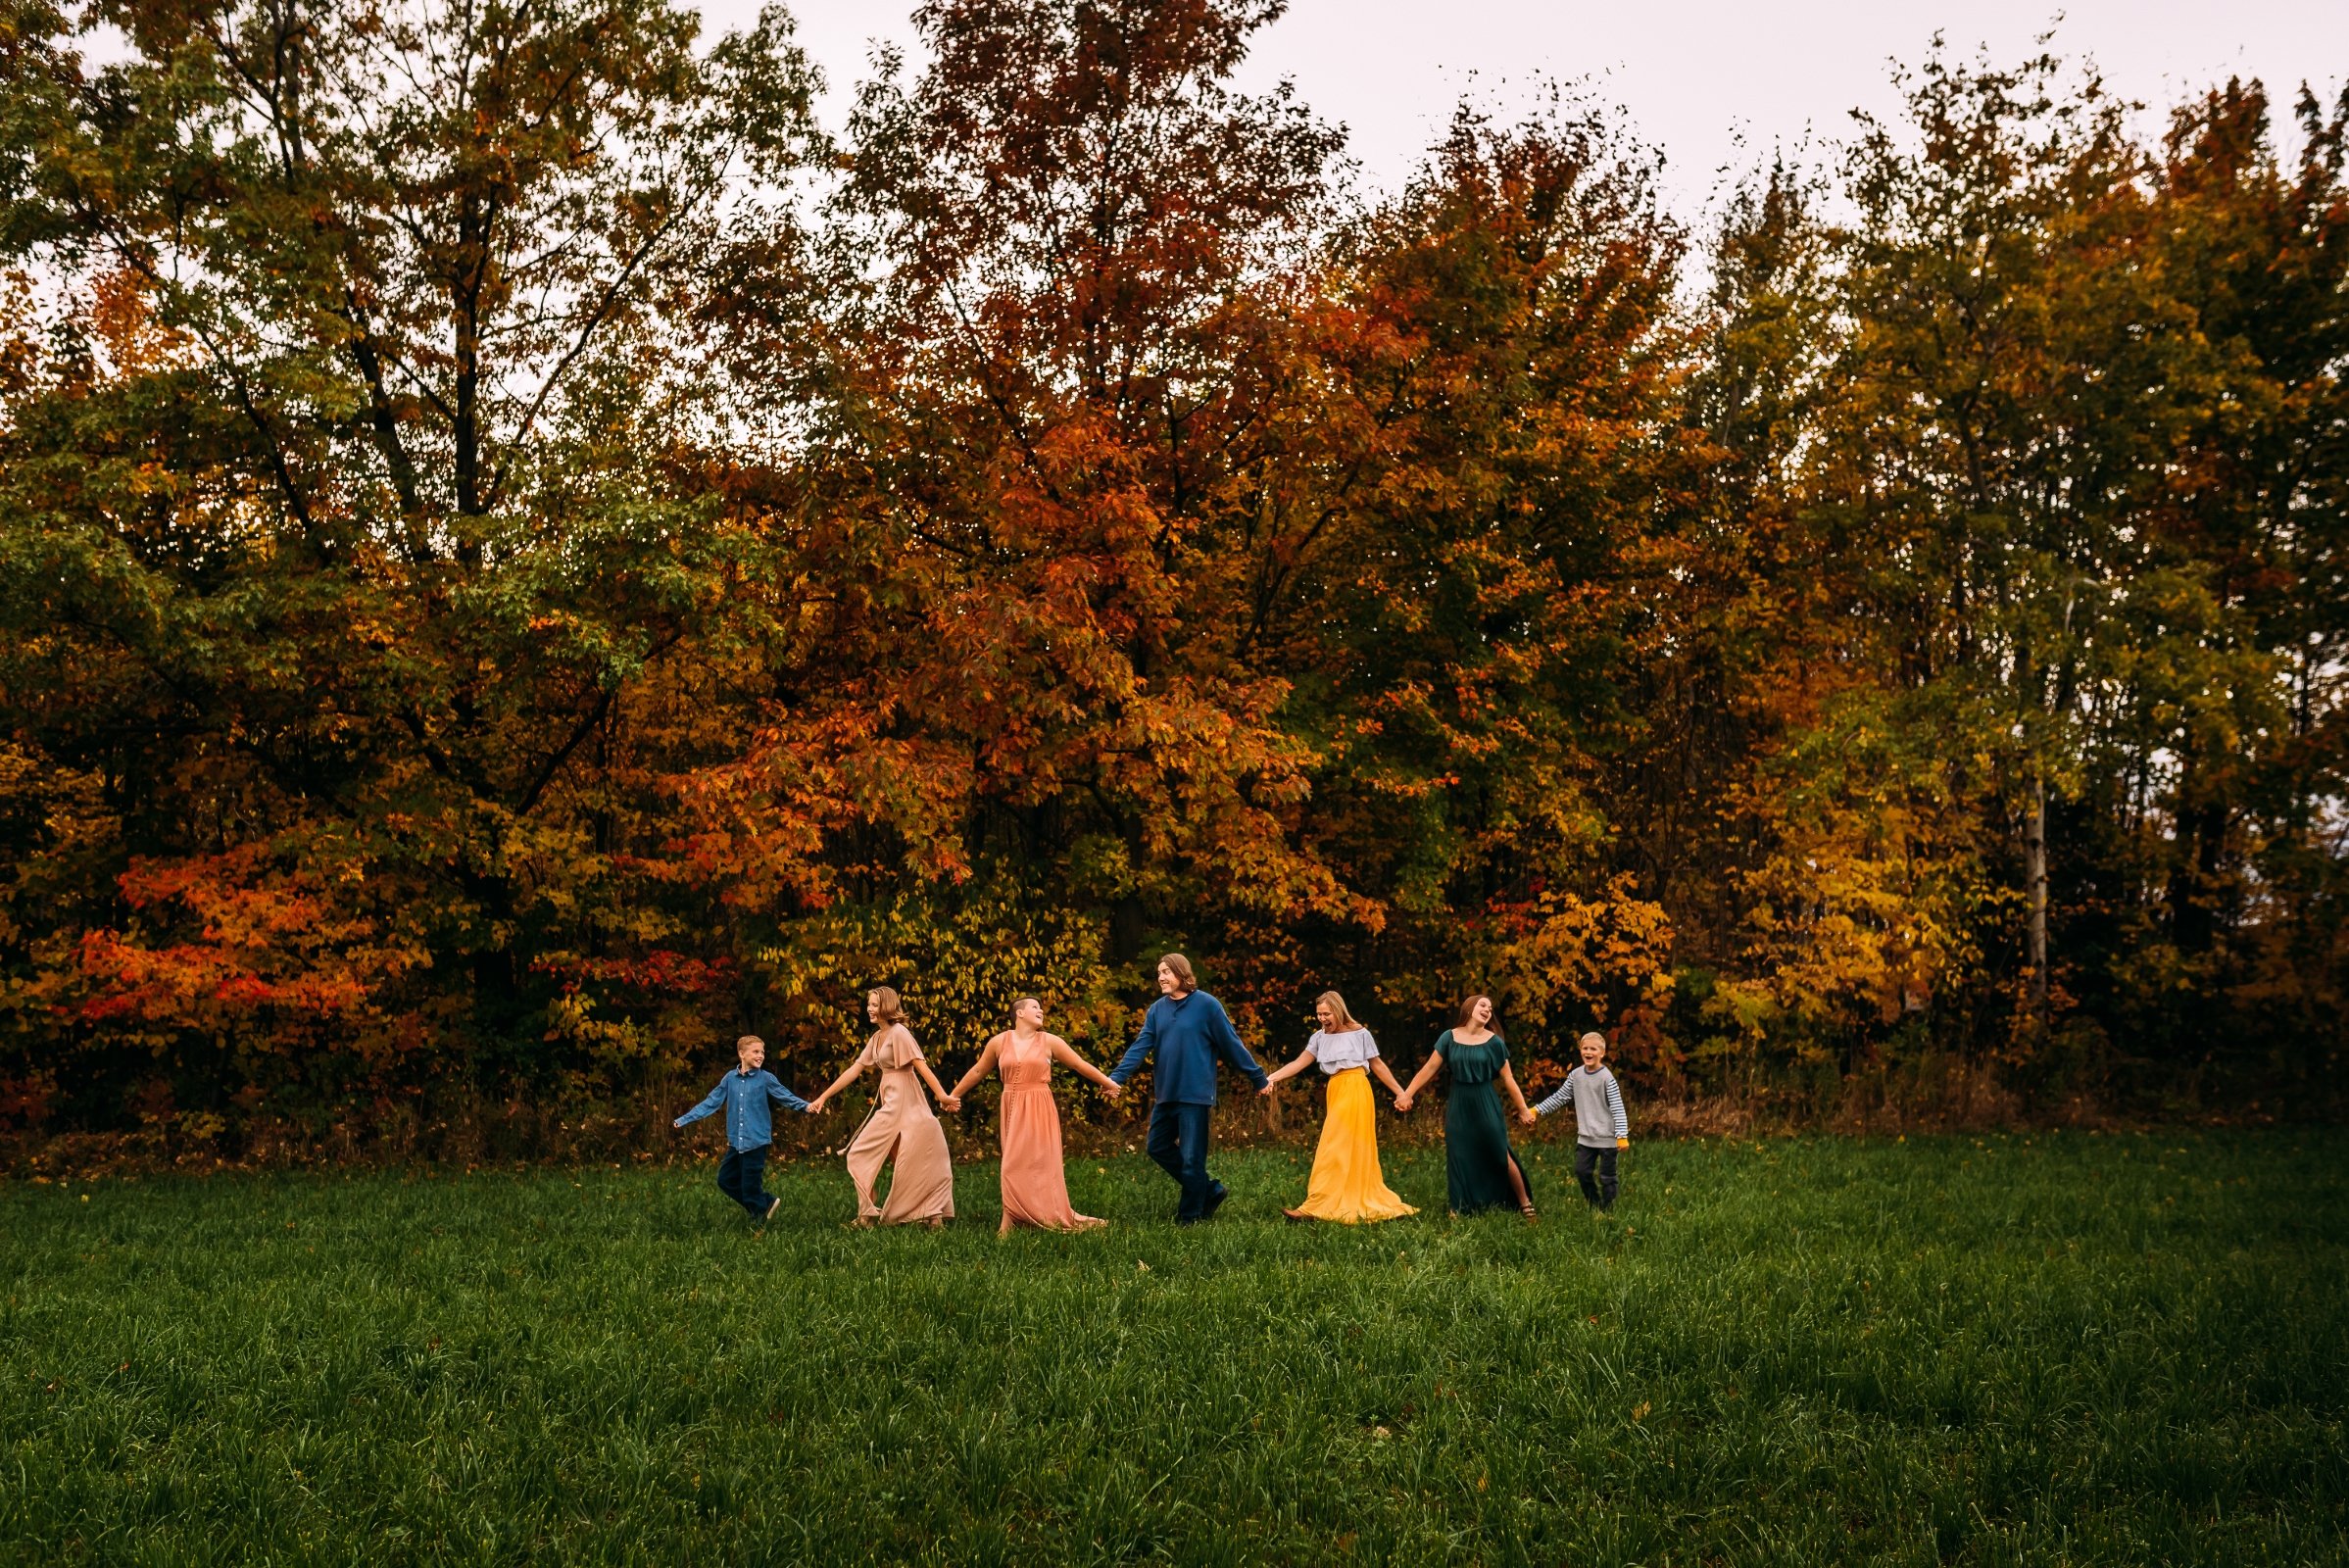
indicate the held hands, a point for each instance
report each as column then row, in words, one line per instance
column 1402, row 1101
column 951, row 1101
column 1265, row 1092
column 1113, row 1089
column 1528, row 1115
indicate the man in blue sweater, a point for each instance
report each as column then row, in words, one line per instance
column 743, row 1094
column 1187, row 1029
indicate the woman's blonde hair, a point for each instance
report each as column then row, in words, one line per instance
column 892, row 1006
column 1336, row 1004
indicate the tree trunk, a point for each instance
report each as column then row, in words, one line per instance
column 2034, row 874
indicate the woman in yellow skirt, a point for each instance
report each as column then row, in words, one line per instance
column 1345, row 1185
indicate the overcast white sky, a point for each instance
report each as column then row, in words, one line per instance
column 1695, row 76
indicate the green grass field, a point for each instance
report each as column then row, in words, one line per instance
column 2118, row 1348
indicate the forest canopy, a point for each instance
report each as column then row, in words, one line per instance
column 523, row 556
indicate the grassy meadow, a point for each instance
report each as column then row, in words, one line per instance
column 2075, row 1348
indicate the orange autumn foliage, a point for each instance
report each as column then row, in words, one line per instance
column 476, row 617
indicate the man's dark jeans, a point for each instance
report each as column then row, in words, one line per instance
column 742, row 1176
column 1586, row 1159
column 1179, row 1144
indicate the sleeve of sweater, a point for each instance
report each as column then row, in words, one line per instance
column 1557, row 1096
column 1234, row 1051
column 1139, row 1050
column 1623, row 1126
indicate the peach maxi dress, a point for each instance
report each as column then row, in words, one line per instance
column 901, row 1126
column 1035, row 1187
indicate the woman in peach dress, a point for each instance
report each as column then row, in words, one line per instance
column 901, row 1126
column 1035, row 1188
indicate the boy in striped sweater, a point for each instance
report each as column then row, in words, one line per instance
column 1600, row 1127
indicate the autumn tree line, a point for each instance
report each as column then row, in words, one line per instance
column 522, row 556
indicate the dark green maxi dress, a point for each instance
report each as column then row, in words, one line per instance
column 1475, row 1130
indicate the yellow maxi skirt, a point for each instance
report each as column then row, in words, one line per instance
column 1347, row 1185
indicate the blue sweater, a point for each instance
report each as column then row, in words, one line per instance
column 744, row 1095
column 1188, row 1033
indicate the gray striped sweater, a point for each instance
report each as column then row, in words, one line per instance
column 1598, row 1119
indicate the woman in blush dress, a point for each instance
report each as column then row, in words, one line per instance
column 1035, row 1187
column 1483, row 1169
column 1347, row 1184
column 902, row 1127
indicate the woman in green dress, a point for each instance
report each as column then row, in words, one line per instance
column 1484, row 1170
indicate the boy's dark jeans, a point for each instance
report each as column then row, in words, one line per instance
column 742, row 1176
column 1587, row 1160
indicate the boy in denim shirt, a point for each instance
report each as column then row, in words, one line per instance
column 743, row 1094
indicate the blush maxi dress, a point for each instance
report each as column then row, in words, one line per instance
column 904, row 1129
column 1035, row 1181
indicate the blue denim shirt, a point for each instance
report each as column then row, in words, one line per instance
column 1186, row 1035
column 744, row 1095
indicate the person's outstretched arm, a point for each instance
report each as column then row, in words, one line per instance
column 921, row 1069
column 1139, row 1050
column 1508, row 1081
column 1419, row 1079
column 1304, row 1059
column 980, row 1069
column 1229, row 1046
column 709, row 1107
column 842, row 1082
column 782, row 1096
column 1378, row 1070
column 1558, row 1096
column 1066, row 1055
